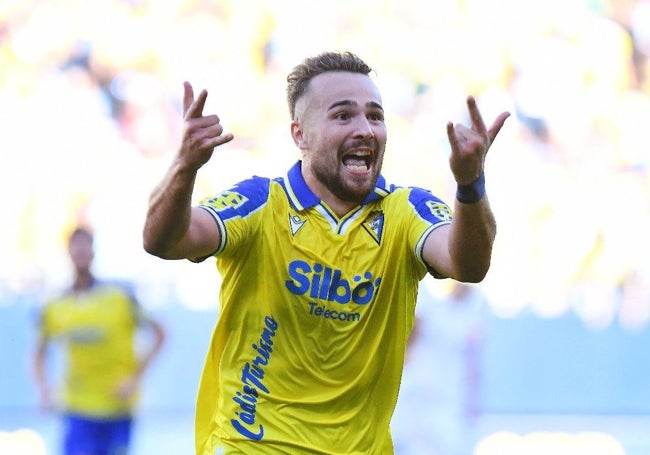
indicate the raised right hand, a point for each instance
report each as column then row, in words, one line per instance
column 201, row 133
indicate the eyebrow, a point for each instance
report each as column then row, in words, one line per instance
column 371, row 104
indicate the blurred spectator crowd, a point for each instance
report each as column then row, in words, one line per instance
column 90, row 108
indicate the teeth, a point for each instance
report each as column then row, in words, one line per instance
column 357, row 161
column 357, row 168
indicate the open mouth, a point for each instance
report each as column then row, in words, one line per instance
column 357, row 161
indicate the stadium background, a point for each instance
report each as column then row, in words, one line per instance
column 90, row 97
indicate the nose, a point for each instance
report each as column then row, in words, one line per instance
column 363, row 128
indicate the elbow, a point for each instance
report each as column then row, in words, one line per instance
column 162, row 248
column 155, row 248
column 159, row 253
column 472, row 278
column 149, row 245
column 474, row 274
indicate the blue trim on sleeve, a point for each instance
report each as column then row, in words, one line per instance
column 239, row 200
column 429, row 207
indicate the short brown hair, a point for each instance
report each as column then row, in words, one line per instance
column 298, row 79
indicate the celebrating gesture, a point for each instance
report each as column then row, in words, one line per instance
column 320, row 267
column 469, row 146
column 201, row 133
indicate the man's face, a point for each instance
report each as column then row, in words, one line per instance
column 340, row 128
column 81, row 253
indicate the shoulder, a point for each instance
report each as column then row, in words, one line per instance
column 253, row 187
column 417, row 194
column 413, row 194
column 422, row 202
column 55, row 297
column 119, row 289
column 122, row 297
column 241, row 198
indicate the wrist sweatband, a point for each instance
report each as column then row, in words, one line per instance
column 472, row 192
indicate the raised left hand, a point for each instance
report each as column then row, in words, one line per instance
column 469, row 146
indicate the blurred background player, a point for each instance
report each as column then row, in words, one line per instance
column 96, row 322
column 442, row 370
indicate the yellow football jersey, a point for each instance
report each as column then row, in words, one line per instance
column 315, row 315
column 97, row 329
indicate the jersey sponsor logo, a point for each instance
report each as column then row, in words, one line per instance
column 295, row 223
column 439, row 210
column 323, row 312
column 87, row 335
column 252, row 381
column 374, row 224
column 226, row 200
column 325, row 283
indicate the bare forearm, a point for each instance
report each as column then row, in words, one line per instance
column 154, row 349
column 472, row 235
column 38, row 369
column 473, row 228
column 169, row 212
column 40, row 374
column 170, row 231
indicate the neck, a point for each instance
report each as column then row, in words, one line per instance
column 339, row 206
column 83, row 281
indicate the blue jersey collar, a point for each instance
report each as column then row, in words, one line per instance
column 303, row 197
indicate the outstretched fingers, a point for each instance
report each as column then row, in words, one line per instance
column 188, row 97
column 496, row 126
column 193, row 108
column 470, row 144
column 452, row 136
column 221, row 138
column 202, row 133
column 206, row 132
column 478, row 124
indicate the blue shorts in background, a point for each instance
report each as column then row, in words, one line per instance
column 84, row 435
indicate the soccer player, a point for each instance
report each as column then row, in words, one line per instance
column 96, row 322
column 320, row 267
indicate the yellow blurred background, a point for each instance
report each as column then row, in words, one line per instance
column 90, row 116
column 90, row 109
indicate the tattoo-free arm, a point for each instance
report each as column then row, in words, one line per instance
column 463, row 249
column 174, row 229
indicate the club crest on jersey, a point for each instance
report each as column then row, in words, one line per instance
column 226, row 200
column 295, row 223
column 374, row 224
column 439, row 210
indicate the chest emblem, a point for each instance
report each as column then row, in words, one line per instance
column 374, row 225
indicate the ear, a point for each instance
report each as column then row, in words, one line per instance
column 298, row 135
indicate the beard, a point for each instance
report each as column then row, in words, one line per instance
column 355, row 191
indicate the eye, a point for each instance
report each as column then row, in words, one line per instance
column 376, row 116
column 341, row 116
